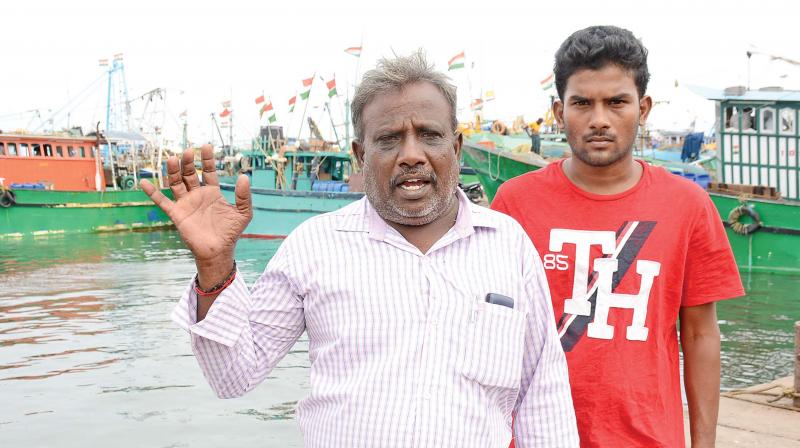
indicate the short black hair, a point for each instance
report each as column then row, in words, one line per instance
column 597, row 46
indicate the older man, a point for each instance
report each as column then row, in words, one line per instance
column 429, row 319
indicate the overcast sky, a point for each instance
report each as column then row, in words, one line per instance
column 207, row 52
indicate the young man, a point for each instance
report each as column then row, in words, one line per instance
column 413, row 339
column 629, row 249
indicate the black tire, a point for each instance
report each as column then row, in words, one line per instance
column 7, row 199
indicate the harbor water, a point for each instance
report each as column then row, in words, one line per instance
column 89, row 357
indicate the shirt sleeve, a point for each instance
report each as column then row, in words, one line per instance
column 545, row 416
column 711, row 273
column 246, row 332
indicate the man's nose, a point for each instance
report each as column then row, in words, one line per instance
column 412, row 151
column 599, row 118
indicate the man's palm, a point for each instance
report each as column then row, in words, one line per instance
column 208, row 224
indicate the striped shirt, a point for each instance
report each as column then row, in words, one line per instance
column 404, row 350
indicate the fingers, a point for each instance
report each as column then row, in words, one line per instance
column 174, row 177
column 209, row 165
column 187, row 170
column 244, row 202
column 157, row 197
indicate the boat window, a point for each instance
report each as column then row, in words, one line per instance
column 739, row 118
column 23, row 150
column 71, row 151
column 83, row 151
column 94, row 152
column 2, row 149
column 60, row 151
column 36, row 149
column 12, row 149
column 767, row 120
column 788, row 125
column 48, row 150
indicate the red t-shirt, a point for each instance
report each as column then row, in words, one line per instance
column 620, row 267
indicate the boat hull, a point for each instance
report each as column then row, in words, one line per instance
column 277, row 212
column 43, row 212
column 493, row 167
column 775, row 247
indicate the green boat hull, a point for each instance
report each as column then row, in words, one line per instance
column 775, row 247
column 277, row 212
column 46, row 212
column 494, row 166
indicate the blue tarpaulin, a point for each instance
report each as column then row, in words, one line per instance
column 691, row 146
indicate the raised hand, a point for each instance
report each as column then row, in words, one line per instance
column 207, row 223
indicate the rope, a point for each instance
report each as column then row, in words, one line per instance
column 785, row 392
column 494, row 178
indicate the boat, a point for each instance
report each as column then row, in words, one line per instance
column 56, row 184
column 757, row 187
column 290, row 184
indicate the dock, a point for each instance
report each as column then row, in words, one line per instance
column 747, row 419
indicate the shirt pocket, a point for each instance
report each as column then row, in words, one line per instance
column 495, row 341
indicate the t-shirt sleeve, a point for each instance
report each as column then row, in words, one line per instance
column 711, row 271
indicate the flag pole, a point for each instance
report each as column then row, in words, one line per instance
column 305, row 109
column 291, row 114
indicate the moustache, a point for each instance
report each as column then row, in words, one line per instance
column 414, row 173
column 599, row 134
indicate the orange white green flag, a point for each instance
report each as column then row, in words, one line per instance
column 456, row 61
column 547, row 83
column 265, row 108
column 306, row 88
column 260, row 99
column 292, row 101
column 331, row 87
column 355, row 51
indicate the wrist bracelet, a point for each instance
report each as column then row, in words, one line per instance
column 216, row 289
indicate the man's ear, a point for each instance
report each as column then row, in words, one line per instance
column 358, row 150
column 645, row 106
column 558, row 113
column 459, row 141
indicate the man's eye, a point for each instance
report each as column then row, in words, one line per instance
column 617, row 102
column 581, row 102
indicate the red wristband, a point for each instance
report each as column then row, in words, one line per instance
column 219, row 287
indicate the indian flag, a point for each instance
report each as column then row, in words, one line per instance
column 272, row 118
column 292, row 100
column 547, row 83
column 265, row 108
column 307, row 85
column 456, row 61
column 476, row 104
column 355, row 51
column 331, row 87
